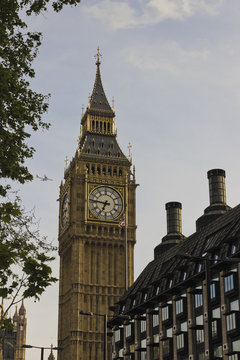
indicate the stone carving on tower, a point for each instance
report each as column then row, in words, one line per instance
column 98, row 189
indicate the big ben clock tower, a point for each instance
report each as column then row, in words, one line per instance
column 98, row 190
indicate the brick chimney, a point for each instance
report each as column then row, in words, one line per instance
column 174, row 228
column 217, row 196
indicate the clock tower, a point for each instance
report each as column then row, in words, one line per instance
column 98, row 194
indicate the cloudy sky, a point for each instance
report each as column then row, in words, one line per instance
column 174, row 71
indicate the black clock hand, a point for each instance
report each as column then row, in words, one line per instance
column 106, row 203
column 101, row 202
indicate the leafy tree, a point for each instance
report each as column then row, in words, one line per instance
column 23, row 254
column 24, row 257
column 21, row 108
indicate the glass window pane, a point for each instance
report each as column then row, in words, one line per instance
column 216, row 313
column 236, row 345
column 165, row 313
column 229, row 283
column 198, row 300
column 143, row 325
column 234, row 305
column 155, row 320
column 183, row 326
column 199, row 336
column 169, row 332
column 179, row 306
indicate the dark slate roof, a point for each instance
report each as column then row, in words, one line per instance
column 102, row 146
column 98, row 100
column 215, row 237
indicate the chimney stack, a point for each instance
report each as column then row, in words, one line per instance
column 217, row 191
column 174, row 228
column 174, row 218
column 217, row 196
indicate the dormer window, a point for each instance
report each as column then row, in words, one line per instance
column 133, row 302
column 145, row 295
column 184, row 275
column 199, row 267
column 157, row 290
column 233, row 249
column 122, row 309
column 215, row 257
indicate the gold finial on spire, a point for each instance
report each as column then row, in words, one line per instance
column 113, row 102
column 98, row 56
column 89, row 99
column 130, row 153
column 66, row 161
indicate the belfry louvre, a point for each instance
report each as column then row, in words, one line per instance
column 185, row 303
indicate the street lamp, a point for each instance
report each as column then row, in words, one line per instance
column 89, row 313
column 207, row 262
column 25, row 346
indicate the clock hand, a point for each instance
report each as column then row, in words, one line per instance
column 101, row 202
column 104, row 205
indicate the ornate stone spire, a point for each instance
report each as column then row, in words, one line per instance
column 22, row 310
column 98, row 100
column 15, row 316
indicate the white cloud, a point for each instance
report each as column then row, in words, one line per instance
column 169, row 57
column 123, row 15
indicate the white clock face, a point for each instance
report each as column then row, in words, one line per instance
column 105, row 203
column 65, row 210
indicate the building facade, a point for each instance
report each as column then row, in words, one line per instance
column 98, row 190
column 13, row 339
column 185, row 303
